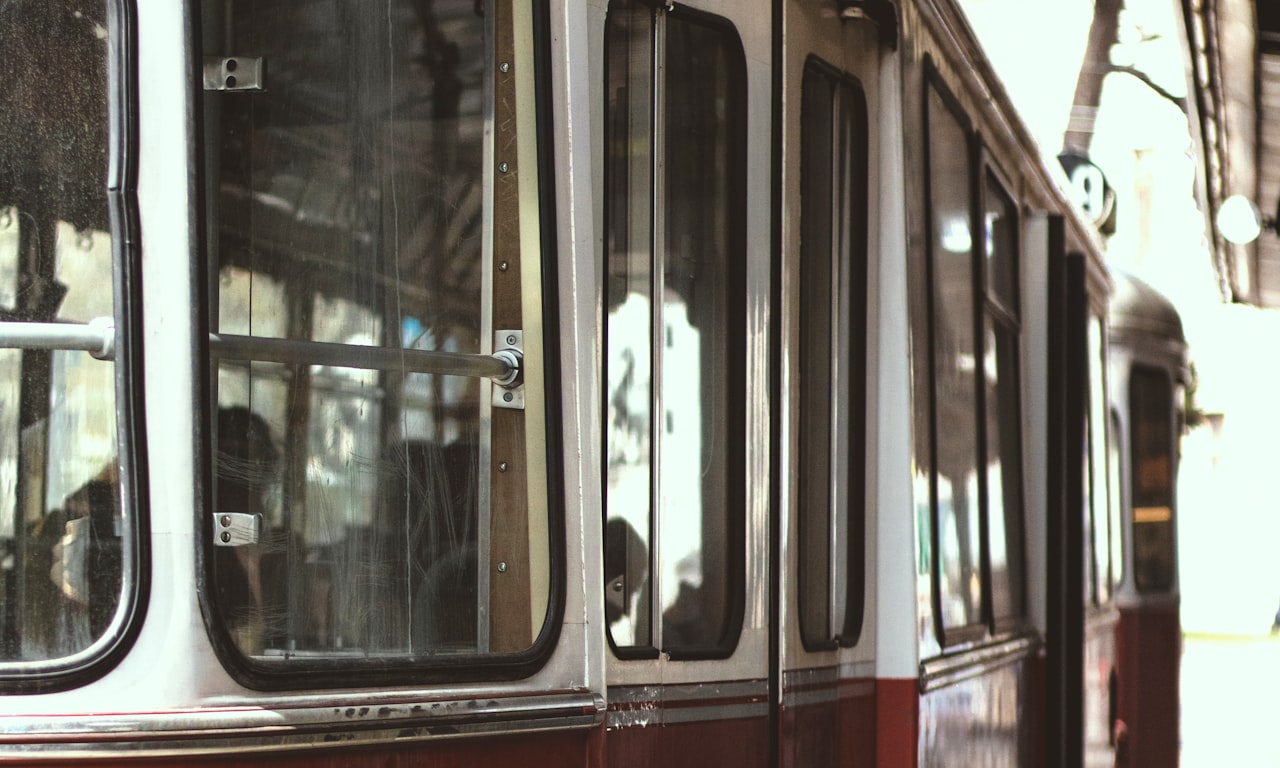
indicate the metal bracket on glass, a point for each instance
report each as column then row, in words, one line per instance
column 234, row 73
column 509, row 392
column 235, row 529
column 97, row 337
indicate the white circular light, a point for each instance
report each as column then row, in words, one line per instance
column 1238, row 220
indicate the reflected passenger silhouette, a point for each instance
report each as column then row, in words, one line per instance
column 626, row 583
column 247, row 465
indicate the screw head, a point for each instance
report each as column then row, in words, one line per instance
column 502, row 167
column 226, row 521
column 502, row 466
column 226, row 537
column 505, row 67
column 502, row 567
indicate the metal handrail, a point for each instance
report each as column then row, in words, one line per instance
column 499, row 367
column 97, row 337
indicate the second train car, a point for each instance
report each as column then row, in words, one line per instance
column 570, row 382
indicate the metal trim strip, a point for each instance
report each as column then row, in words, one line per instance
column 240, row 730
column 950, row 669
column 641, row 706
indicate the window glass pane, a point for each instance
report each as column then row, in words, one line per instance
column 701, row 460
column 629, row 274
column 1151, row 411
column 1003, row 402
column 1004, row 472
column 62, row 532
column 1000, row 221
column 674, row 363
column 1115, row 502
column 1100, row 516
column 817, row 256
column 954, row 364
column 351, row 216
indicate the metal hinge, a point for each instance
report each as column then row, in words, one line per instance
column 235, row 529
column 234, row 73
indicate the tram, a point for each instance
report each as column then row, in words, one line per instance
column 576, row 382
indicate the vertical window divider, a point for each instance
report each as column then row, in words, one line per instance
column 484, row 477
column 657, row 255
column 979, row 244
column 836, row 477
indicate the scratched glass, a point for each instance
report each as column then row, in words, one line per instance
column 349, row 194
column 62, row 533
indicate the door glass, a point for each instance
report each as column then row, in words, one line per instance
column 63, row 535
column 357, row 190
column 675, row 323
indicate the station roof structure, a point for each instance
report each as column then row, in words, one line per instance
column 1234, row 67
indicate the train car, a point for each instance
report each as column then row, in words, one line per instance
column 1148, row 356
column 577, row 382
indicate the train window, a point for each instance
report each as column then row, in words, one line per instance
column 1151, row 408
column 70, row 547
column 379, row 432
column 1098, row 515
column 957, row 504
column 832, row 364
column 976, row 415
column 1115, row 501
column 1002, row 402
column 675, row 346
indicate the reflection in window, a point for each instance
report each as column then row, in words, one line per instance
column 1152, row 444
column 1115, row 500
column 351, row 212
column 977, row 410
column 832, row 384
column 674, row 354
column 1097, row 516
column 63, row 535
column 1003, row 403
column 955, row 357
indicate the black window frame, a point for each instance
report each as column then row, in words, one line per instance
column 735, row 374
column 816, row 570
column 982, row 165
column 991, row 308
column 120, row 192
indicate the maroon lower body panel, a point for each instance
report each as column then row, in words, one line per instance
column 694, row 725
column 1149, row 648
column 695, row 745
column 1100, row 668
column 829, row 724
column 897, row 722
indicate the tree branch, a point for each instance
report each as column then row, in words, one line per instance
column 1179, row 101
